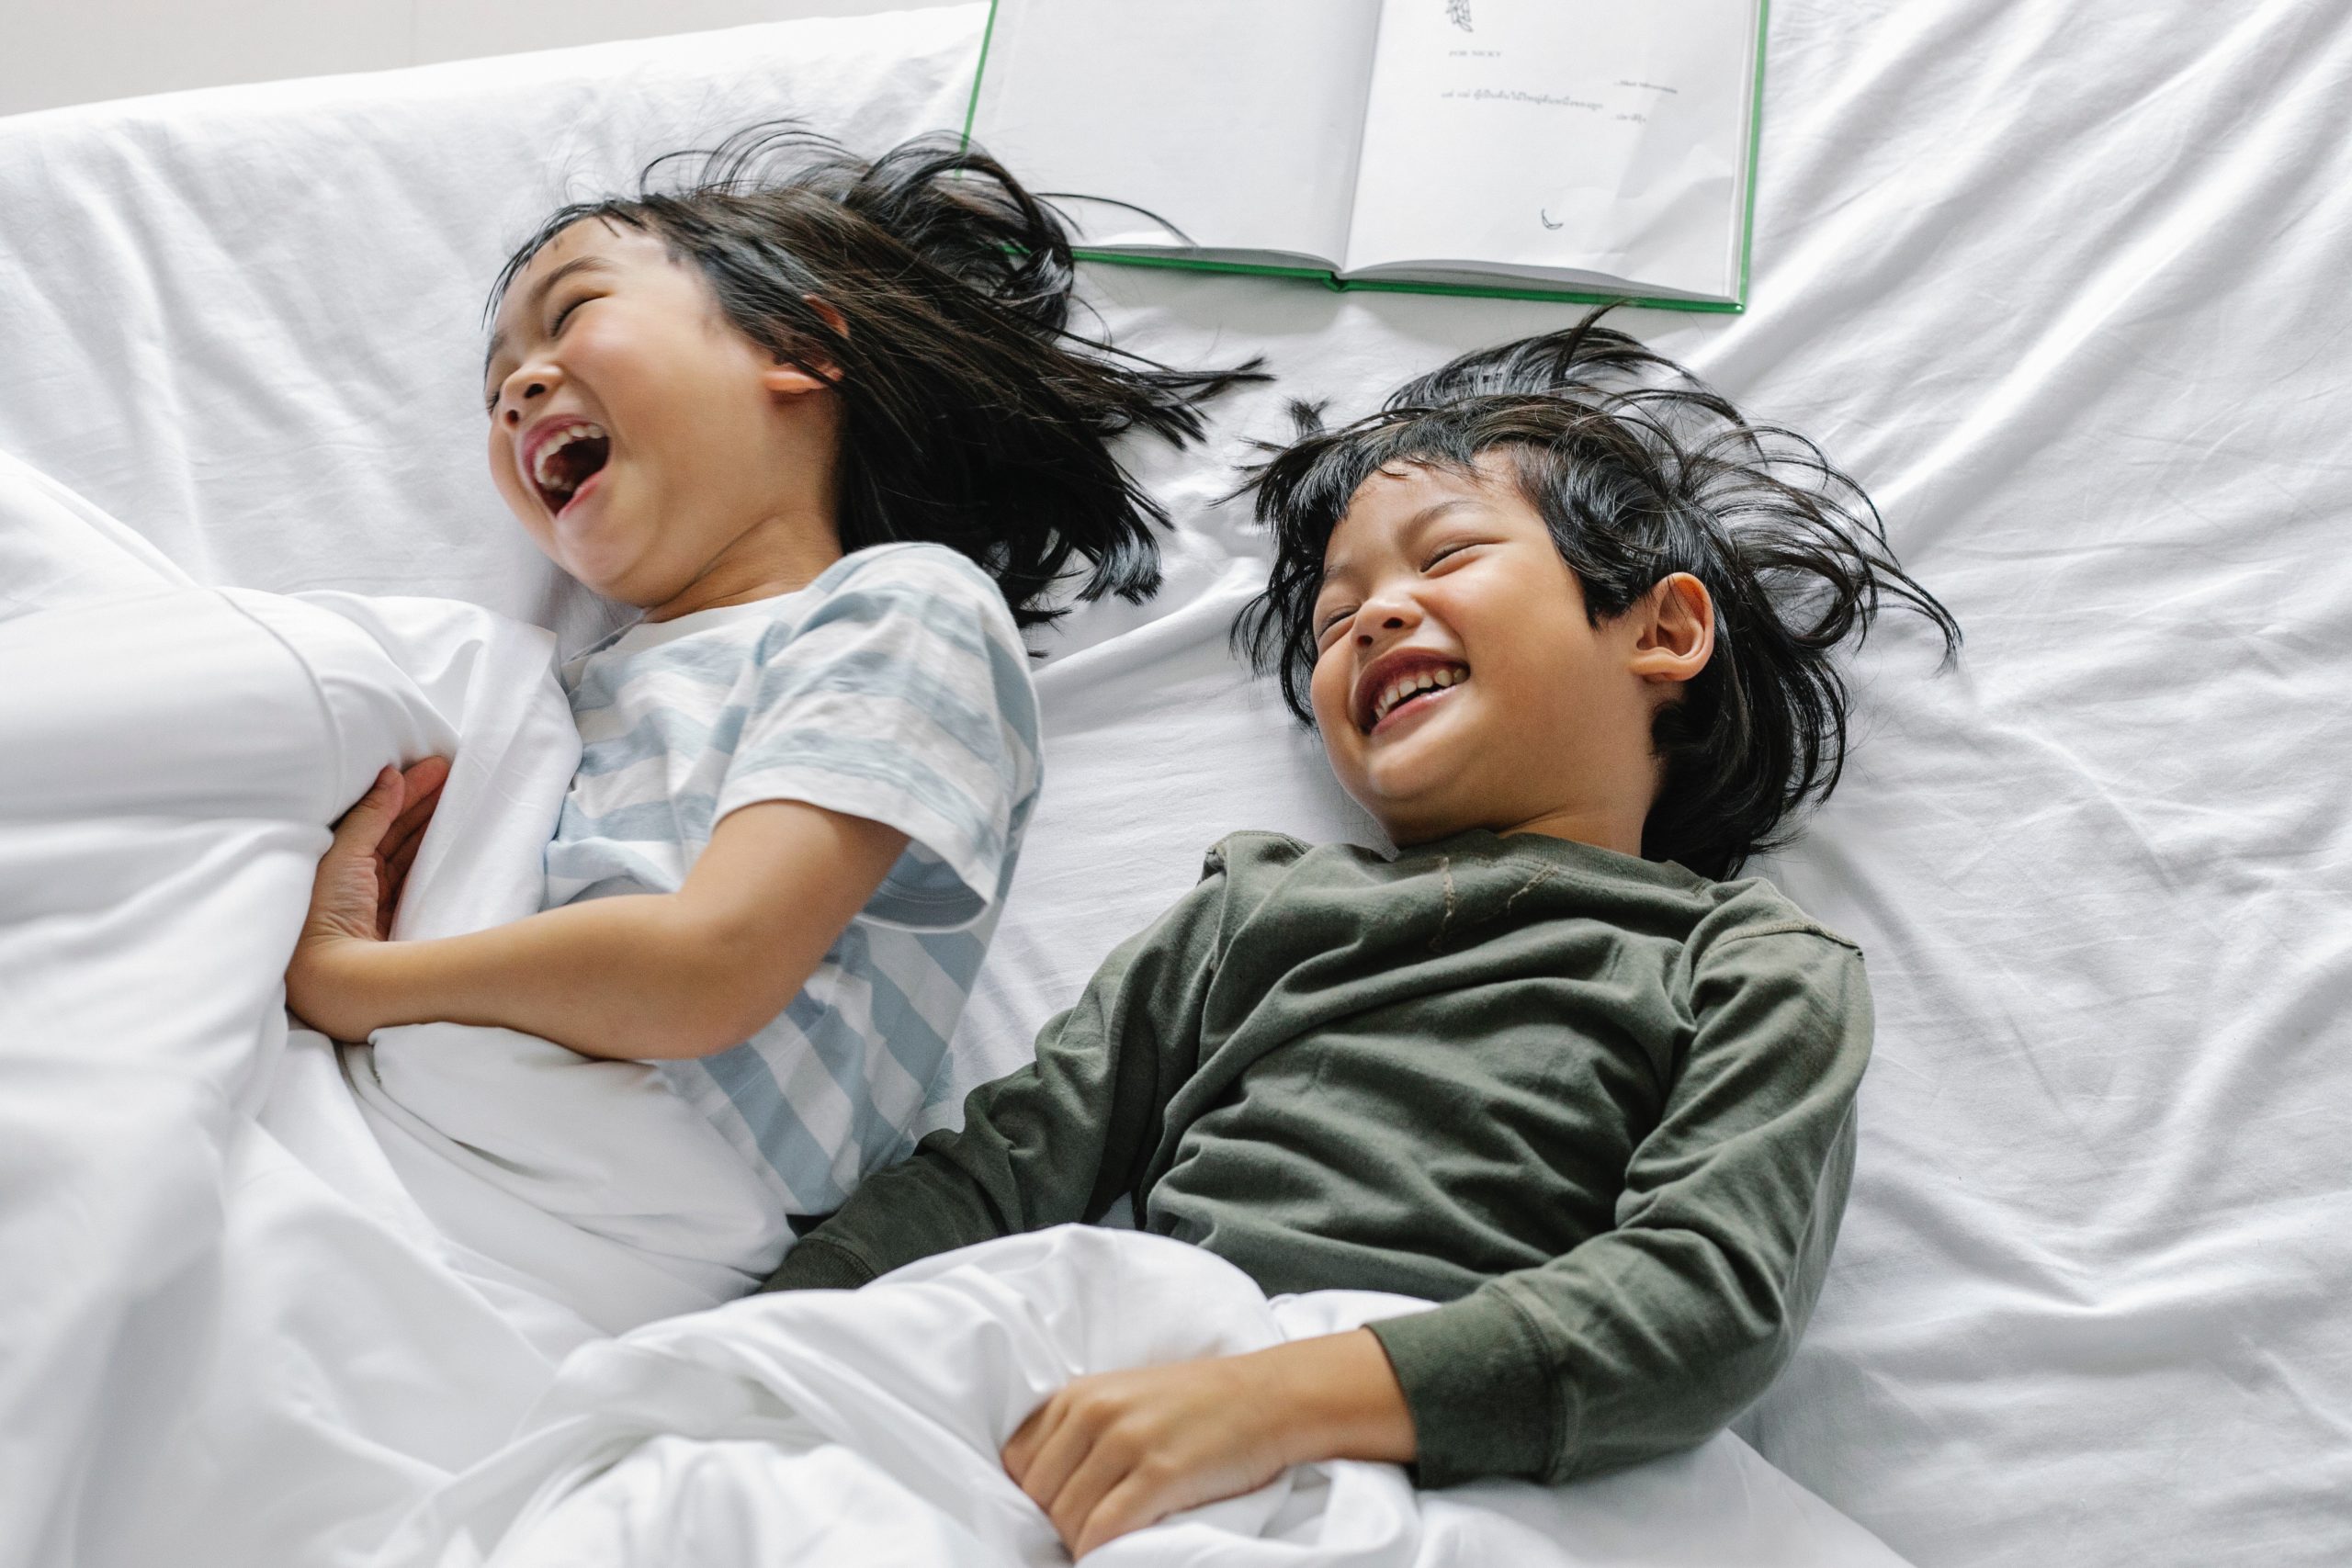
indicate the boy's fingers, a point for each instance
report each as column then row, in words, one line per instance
column 1102, row 1470
column 1059, row 1451
column 1129, row 1506
column 1022, row 1447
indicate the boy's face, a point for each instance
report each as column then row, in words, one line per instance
column 650, row 448
column 1457, row 683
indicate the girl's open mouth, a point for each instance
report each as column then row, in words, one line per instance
column 564, row 464
column 587, row 488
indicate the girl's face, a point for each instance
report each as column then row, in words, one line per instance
column 653, row 450
column 1457, row 682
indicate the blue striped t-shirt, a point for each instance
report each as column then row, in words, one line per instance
column 894, row 687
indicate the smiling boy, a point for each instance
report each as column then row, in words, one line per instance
column 1570, row 645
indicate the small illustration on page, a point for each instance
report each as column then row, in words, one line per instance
column 1458, row 13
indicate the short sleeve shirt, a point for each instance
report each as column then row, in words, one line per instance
column 894, row 687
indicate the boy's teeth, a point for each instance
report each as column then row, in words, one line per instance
column 1404, row 686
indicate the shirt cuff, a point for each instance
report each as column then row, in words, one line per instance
column 818, row 1265
column 1482, row 1393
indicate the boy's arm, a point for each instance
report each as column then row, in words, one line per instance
column 1649, row 1337
column 1119, row 1450
column 1057, row 1141
column 642, row 975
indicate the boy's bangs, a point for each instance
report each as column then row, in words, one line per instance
column 1306, row 488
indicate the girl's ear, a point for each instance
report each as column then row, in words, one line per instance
column 791, row 378
column 1675, row 630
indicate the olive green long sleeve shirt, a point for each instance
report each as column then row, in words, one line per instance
column 1598, row 1107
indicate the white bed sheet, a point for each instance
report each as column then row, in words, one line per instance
column 2063, row 281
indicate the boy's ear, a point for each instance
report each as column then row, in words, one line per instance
column 1674, row 631
column 788, row 378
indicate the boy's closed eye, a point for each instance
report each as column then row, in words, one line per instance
column 1331, row 624
column 1436, row 559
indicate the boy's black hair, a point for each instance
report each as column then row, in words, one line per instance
column 973, row 415
column 1639, row 470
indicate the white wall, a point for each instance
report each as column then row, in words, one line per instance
column 71, row 52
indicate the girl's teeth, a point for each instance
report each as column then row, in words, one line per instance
column 547, row 453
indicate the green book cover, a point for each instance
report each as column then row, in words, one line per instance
column 1503, row 289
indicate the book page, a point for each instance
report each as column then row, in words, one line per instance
column 1235, row 122
column 1593, row 136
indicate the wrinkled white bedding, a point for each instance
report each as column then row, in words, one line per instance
column 588, row 1183
column 826, row 1429
column 2063, row 281
column 461, row 1208
column 215, row 1283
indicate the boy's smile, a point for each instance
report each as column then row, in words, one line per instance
column 1458, row 681
column 1401, row 685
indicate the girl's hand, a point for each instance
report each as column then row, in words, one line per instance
column 356, row 888
column 1120, row 1451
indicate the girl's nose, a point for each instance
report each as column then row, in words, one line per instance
column 534, row 389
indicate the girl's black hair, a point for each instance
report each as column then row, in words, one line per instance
column 974, row 416
column 1639, row 470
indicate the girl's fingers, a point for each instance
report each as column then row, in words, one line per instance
column 388, row 826
column 429, row 775
column 422, row 786
column 407, row 836
column 364, row 825
column 396, row 866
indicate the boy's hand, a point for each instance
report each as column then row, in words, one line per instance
column 356, row 888
column 1120, row 1451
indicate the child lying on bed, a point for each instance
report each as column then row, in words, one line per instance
column 828, row 430
column 1565, row 623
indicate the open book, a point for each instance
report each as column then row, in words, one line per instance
column 1592, row 148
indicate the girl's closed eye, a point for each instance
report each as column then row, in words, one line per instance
column 555, row 327
column 1332, row 622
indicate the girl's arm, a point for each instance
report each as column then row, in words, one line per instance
column 1054, row 1142
column 640, row 976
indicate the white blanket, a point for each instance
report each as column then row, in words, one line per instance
column 237, row 1264
column 207, row 1256
column 831, row 1429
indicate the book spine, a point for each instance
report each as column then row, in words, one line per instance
column 1755, row 147
column 972, row 108
column 1405, row 285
